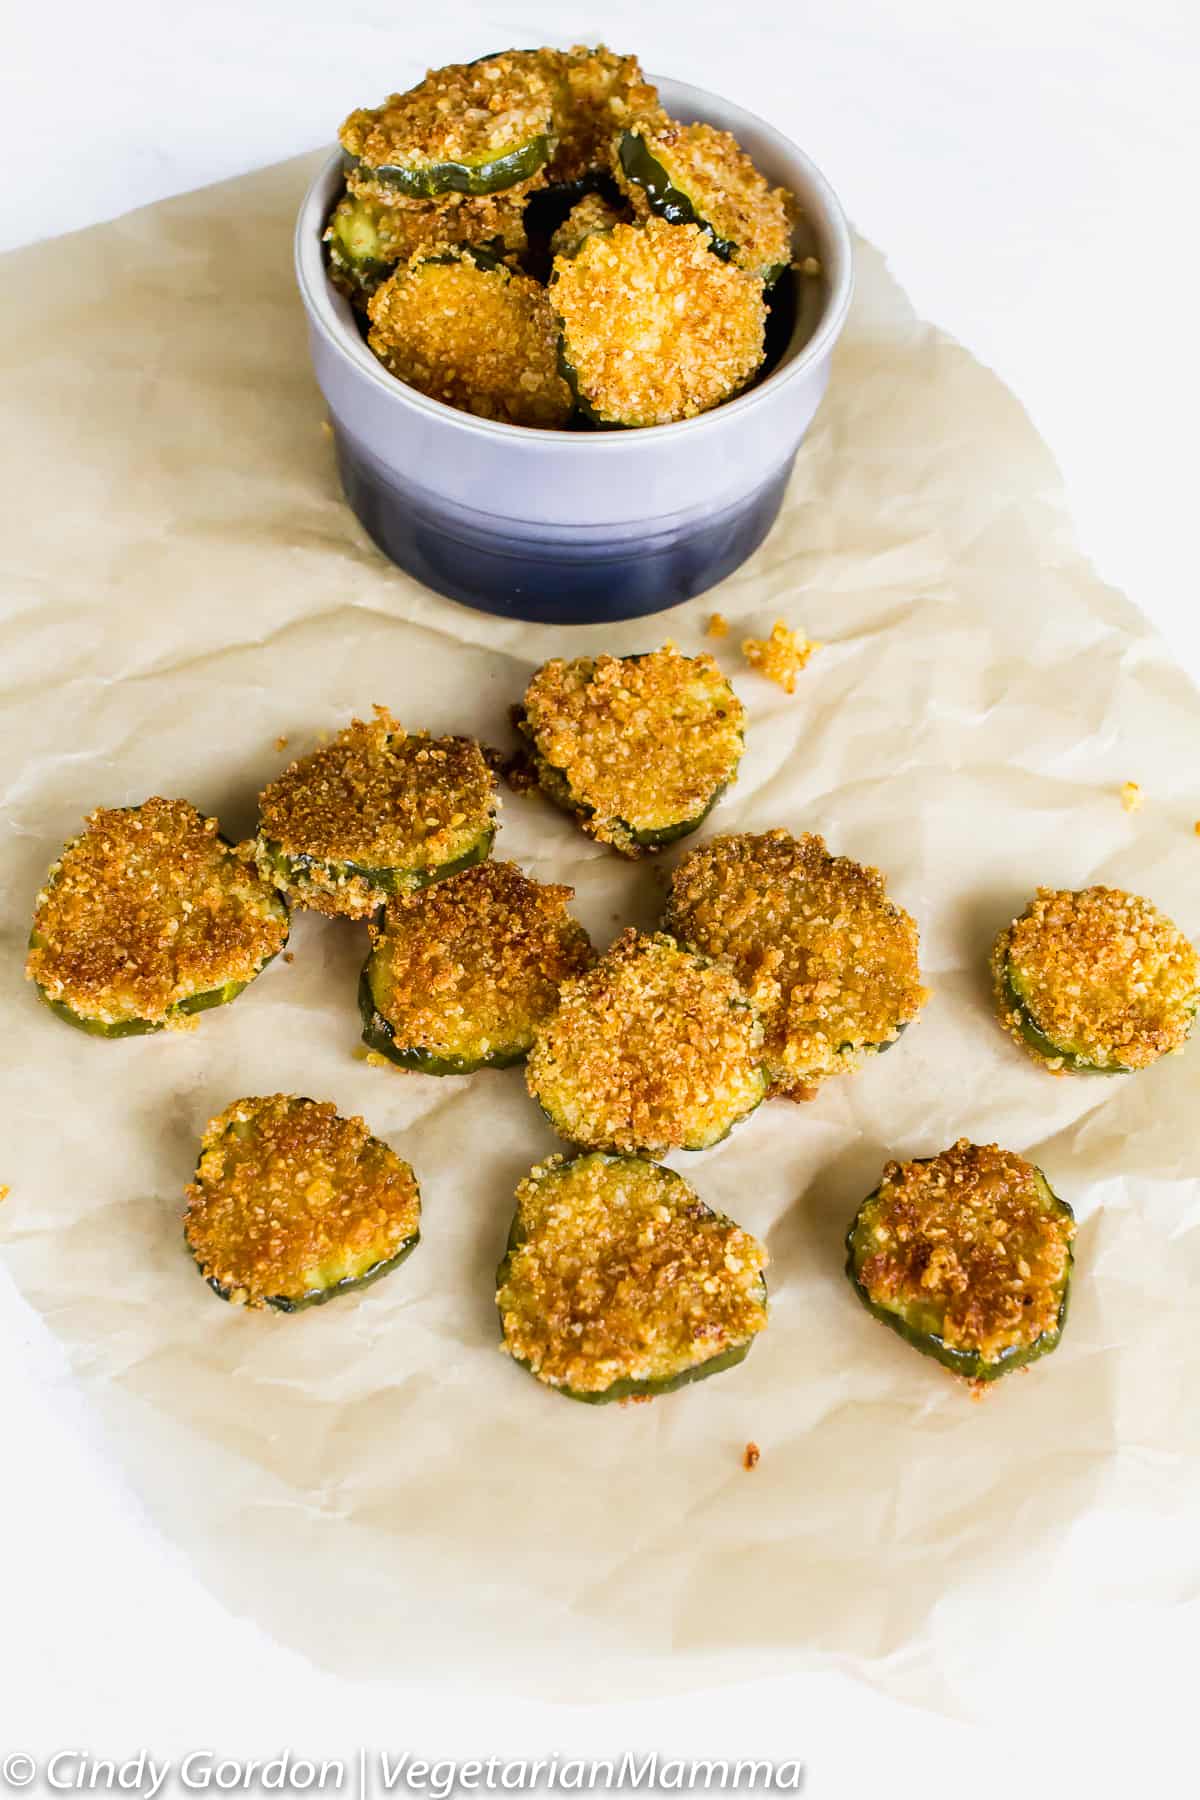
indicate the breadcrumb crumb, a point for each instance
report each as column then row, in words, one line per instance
column 1132, row 798
column 781, row 656
column 751, row 1456
column 5, row 1191
column 281, row 742
column 718, row 626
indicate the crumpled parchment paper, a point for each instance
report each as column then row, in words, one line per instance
column 373, row 1481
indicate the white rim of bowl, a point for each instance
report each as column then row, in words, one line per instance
column 317, row 293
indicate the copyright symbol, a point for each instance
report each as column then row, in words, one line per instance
column 18, row 1769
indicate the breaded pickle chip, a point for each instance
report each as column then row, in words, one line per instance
column 375, row 813
column 638, row 748
column 827, row 958
column 482, row 217
column 468, row 128
column 466, row 330
column 618, row 1282
column 655, row 328
column 148, row 917
column 292, row 1205
column 360, row 246
column 368, row 238
column 597, row 95
column 697, row 175
column 653, row 1049
column 460, row 976
column 592, row 213
column 968, row 1256
column 1095, row 982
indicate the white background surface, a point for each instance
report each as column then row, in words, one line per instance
column 1031, row 171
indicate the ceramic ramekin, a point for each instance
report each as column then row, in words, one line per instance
column 577, row 527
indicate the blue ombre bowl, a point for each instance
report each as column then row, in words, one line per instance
column 577, row 527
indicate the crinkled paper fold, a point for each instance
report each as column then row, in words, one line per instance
column 373, row 1481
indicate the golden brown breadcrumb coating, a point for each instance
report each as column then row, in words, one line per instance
column 656, row 328
column 653, row 1049
column 748, row 218
column 374, row 799
column 598, row 94
column 464, row 113
column 482, row 339
column 621, row 1273
column 827, row 958
column 642, row 744
column 592, row 213
column 147, row 908
column 969, row 1237
column 473, row 965
column 1103, row 977
column 367, row 235
column 291, row 1202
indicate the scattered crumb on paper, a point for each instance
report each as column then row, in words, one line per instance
column 781, row 656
